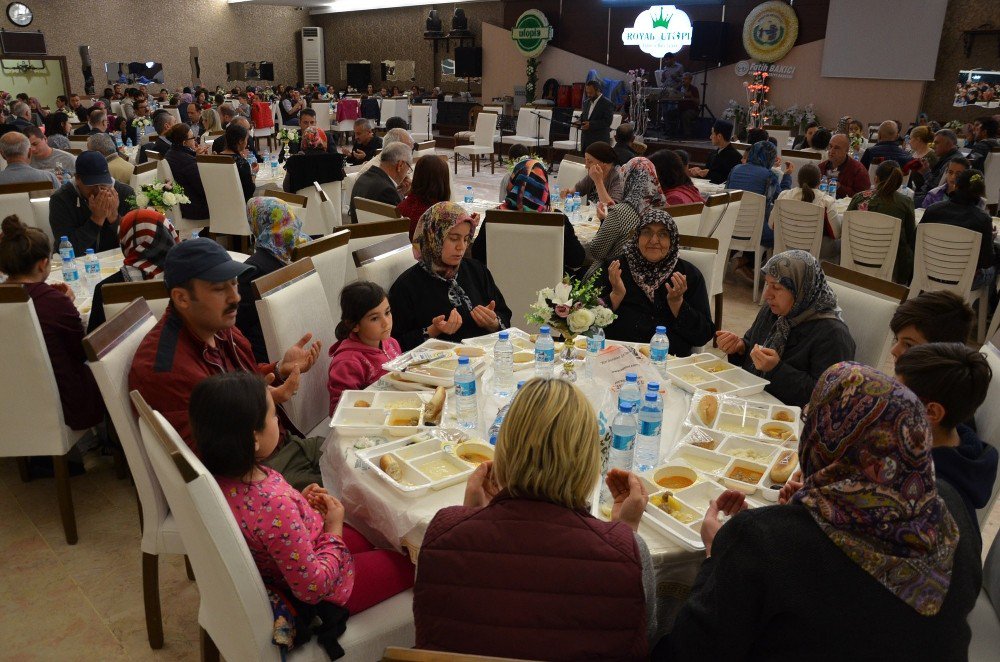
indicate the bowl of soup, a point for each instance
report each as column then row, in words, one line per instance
column 474, row 452
column 674, row 477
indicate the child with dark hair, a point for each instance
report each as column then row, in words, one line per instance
column 961, row 209
column 298, row 540
column 952, row 379
column 364, row 340
column 930, row 317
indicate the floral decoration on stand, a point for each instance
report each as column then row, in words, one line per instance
column 161, row 196
column 286, row 135
column 635, row 84
column 531, row 71
column 792, row 116
column 757, row 91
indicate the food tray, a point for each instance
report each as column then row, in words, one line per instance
column 774, row 424
column 487, row 341
column 439, row 372
column 382, row 411
column 428, row 461
column 708, row 372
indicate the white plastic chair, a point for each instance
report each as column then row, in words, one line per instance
column 532, row 130
column 687, row 217
column 799, row 158
column 110, row 349
column 525, row 253
column 869, row 242
column 420, row 115
column 991, row 173
column 227, row 210
column 798, row 225
column 383, row 262
column 143, row 174
column 370, row 211
column 32, row 417
column 747, row 234
column 987, row 419
column 291, row 303
column 571, row 170
column 331, row 260
column 573, row 144
column 984, row 619
column 119, row 296
column 234, row 614
column 482, row 143
column 945, row 259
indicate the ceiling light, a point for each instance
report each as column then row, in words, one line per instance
column 338, row 6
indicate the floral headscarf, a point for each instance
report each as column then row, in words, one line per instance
column 799, row 272
column 650, row 276
column 528, row 188
column 641, row 187
column 314, row 138
column 145, row 236
column 869, row 483
column 431, row 230
column 275, row 227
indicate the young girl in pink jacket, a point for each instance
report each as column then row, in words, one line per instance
column 364, row 340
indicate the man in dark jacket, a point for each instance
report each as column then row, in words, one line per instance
column 887, row 148
column 946, row 148
column 97, row 122
column 162, row 121
column 722, row 161
column 379, row 182
column 987, row 133
column 87, row 209
column 595, row 120
column 366, row 143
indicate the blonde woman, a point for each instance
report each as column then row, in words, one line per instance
column 209, row 122
column 523, row 570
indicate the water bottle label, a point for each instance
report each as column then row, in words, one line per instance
column 622, row 442
column 649, row 428
column 658, row 355
column 465, row 388
column 545, row 355
column 93, row 268
column 594, row 345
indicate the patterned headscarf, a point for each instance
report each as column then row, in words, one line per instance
column 314, row 138
column 641, row 187
column 431, row 230
column 763, row 154
column 650, row 276
column 528, row 188
column 145, row 236
column 799, row 272
column 275, row 227
column 869, row 483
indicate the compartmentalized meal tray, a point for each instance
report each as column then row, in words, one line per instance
column 771, row 423
column 372, row 412
column 439, row 372
column 708, row 372
column 428, row 461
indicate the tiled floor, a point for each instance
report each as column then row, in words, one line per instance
column 84, row 602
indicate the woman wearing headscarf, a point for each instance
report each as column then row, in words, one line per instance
column 797, row 335
column 640, row 192
column 869, row 560
column 757, row 176
column 313, row 164
column 146, row 236
column 651, row 286
column 276, row 233
column 528, row 190
column 445, row 295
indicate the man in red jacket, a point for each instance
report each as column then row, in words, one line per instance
column 852, row 177
column 197, row 338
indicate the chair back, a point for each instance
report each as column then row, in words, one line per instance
column 366, row 234
column 722, row 231
column 987, row 419
column 799, row 158
column 420, row 115
column 498, row 111
column 330, row 257
column 292, row 303
column 208, row 137
column 797, row 225
column 571, row 170
column 174, row 112
column 119, row 296
column 143, row 174
column 945, row 259
column 486, row 124
column 110, row 349
column 369, row 211
column 525, row 253
column 41, row 209
column 616, row 121
column 687, row 217
column 79, row 142
column 323, row 115
column 869, row 241
column 574, row 130
column 16, row 199
column 425, row 148
column 384, row 261
column 324, row 216
column 703, row 253
column 867, row 303
column 783, row 134
column 227, row 210
column 299, row 204
column 31, row 417
column 991, row 172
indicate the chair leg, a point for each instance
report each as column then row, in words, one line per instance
column 188, row 568
column 209, row 652
column 756, row 275
column 24, row 469
column 151, row 599
column 65, row 498
column 493, row 164
column 718, row 312
column 456, row 163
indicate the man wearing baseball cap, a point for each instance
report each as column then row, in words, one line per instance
column 87, row 209
column 197, row 338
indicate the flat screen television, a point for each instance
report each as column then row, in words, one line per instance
column 22, row 43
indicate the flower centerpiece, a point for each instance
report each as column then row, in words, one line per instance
column 161, row 196
column 288, row 134
column 531, row 72
column 574, row 307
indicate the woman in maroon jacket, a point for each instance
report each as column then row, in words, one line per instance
column 24, row 257
column 523, row 570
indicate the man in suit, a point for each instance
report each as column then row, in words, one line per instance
column 380, row 183
column 162, row 121
column 595, row 120
column 97, row 122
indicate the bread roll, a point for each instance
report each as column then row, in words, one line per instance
column 435, row 407
column 391, row 467
column 708, row 409
column 784, row 466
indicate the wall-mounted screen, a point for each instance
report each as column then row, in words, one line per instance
column 249, row 70
column 134, row 73
column 978, row 87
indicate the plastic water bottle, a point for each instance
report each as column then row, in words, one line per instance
column 70, row 272
column 118, row 139
column 465, row 390
column 556, row 198
column 824, row 184
column 577, row 204
column 274, row 165
column 58, row 172
column 502, row 414
column 659, row 347
column 832, row 192
column 545, row 353
column 595, row 343
column 647, row 446
column 92, row 268
column 265, row 164
column 469, row 197
column 629, row 394
column 128, row 143
column 503, row 365
column 906, row 143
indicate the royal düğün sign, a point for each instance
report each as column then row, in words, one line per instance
column 770, row 31
column 531, row 33
column 659, row 30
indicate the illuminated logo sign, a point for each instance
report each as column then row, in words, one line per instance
column 659, row 30
column 770, row 31
column 531, row 33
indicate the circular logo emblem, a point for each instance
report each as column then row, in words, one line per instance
column 531, row 33
column 743, row 67
column 770, row 31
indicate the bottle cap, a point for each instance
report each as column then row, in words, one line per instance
column 653, row 386
column 661, row 329
column 90, row 251
column 520, row 384
column 463, row 360
column 544, row 329
column 625, row 407
column 64, row 238
column 650, row 396
column 504, row 335
column 631, row 377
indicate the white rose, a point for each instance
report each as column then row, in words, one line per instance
column 580, row 320
column 183, row 199
column 169, row 199
column 603, row 316
column 158, row 186
column 562, row 294
column 141, row 200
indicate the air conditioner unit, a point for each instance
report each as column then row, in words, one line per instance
column 313, row 57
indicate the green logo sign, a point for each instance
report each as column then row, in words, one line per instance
column 531, row 33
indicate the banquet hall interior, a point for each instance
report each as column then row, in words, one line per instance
column 499, row 330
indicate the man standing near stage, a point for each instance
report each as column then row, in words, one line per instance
column 595, row 124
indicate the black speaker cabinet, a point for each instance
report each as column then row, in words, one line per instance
column 708, row 41
column 468, row 62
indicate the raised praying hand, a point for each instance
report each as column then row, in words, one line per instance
column 299, row 356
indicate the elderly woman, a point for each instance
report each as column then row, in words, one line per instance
column 146, row 236
column 641, row 191
column 870, row 559
column 277, row 232
column 797, row 335
column 445, row 295
column 558, row 583
column 603, row 182
column 528, row 190
column 651, row 286
column 313, row 164
column 756, row 176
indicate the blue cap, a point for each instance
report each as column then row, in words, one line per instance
column 92, row 169
column 661, row 329
column 631, row 377
column 504, row 335
column 545, row 328
column 463, row 360
column 625, row 407
column 653, row 386
column 520, row 384
column 203, row 259
column 650, row 396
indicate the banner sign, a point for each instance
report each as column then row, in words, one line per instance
column 659, row 30
column 770, row 31
column 531, row 33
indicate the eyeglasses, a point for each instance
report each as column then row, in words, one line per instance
column 662, row 235
column 190, row 138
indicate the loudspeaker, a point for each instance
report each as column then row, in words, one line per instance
column 468, row 62
column 266, row 71
column 708, row 41
column 359, row 74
